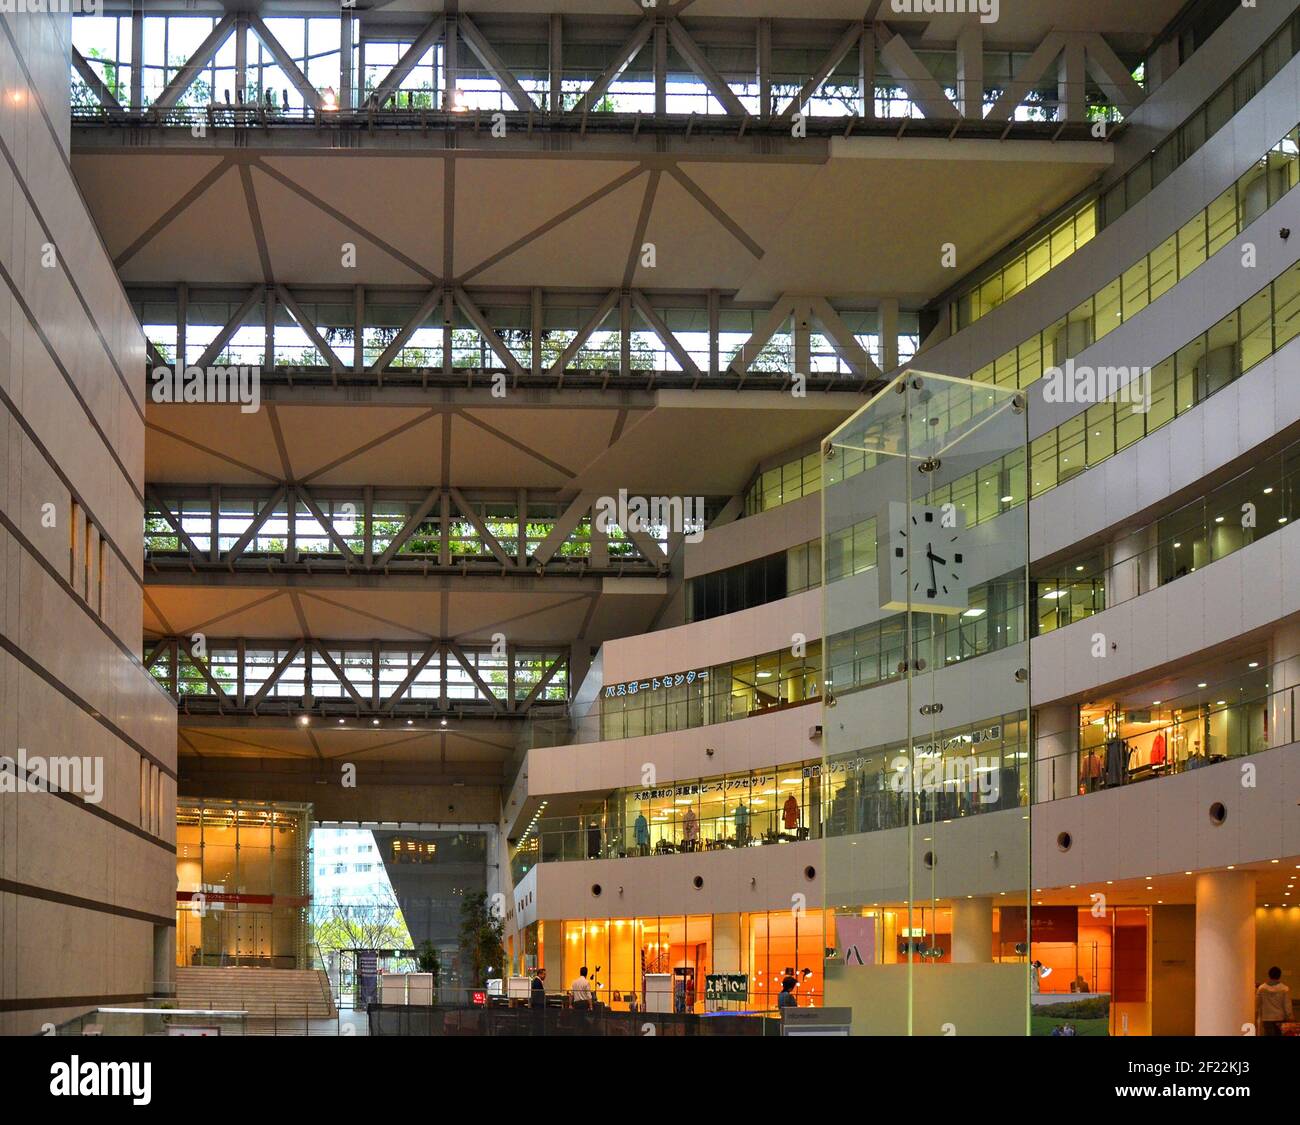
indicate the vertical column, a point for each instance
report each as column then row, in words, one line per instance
column 888, row 333
column 1225, row 951
column 972, row 931
column 625, row 333
column 291, row 514
column 268, row 331
column 661, row 68
column 802, row 341
column 368, row 500
column 1161, row 63
column 521, row 523
column 727, row 948
column 867, row 71
column 137, row 59
column 358, row 329
column 764, row 70
column 1284, row 684
column 1056, row 752
column 557, row 64
column 214, row 523
column 715, row 368
column 449, row 66
column 241, row 58
column 182, row 321
column 1071, row 88
column 1133, row 566
column 345, row 59
column 444, row 533
column 537, row 327
column 448, row 310
column 970, row 72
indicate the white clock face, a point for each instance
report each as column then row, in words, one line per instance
column 923, row 564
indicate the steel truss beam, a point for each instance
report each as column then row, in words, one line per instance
column 370, row 511
column 311, row 676
column 542, row 40
column 479, row 308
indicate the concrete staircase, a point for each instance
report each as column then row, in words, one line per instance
column 278, row 1001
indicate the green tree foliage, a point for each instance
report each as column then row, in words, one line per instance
column 428, row 961
column 482, row 952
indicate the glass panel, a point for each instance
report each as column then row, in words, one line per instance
column 914, row 929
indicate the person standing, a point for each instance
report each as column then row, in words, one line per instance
column 580, row 990
column 1272, row 1004
column 537, row 995
column 787, row 998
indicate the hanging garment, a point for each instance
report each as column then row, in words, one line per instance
column 1158, row 749
column 790, row 813
column 1116, row 754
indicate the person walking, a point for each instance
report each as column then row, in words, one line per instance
column 1272, row 1004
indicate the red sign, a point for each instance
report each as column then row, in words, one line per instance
column 1049, row 923
column 478, row 999
column 252, row 900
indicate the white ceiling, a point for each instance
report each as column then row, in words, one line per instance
column 853, row 218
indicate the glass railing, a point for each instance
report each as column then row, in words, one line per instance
column 1211, row 361
column 1232, row 719
column 722, row 693
column 1040, row 257
column 1043, row 252
column 1213, row 114
column 1154, row 274
column 1251, row 506
column 785, row 483
column 873, row 654
column 977, row 769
